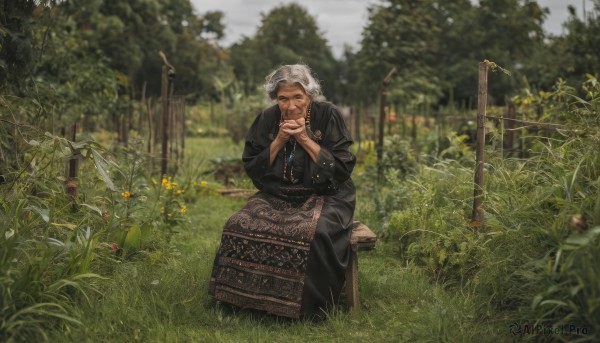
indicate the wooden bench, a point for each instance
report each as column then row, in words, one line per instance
column 362, row 239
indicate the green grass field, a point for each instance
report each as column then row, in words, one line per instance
column 161, row 296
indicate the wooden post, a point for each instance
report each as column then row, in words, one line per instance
column 509, row 127
column 71, row 182
column 414, row 134
column 182, row 129
column 373, row 118
column 357, row 117
column 172, row 125
column 157, row 121
column 414, row 128
column 167, row 73
column 352, row 279
column 177, row 128
column 118, row 129
column 165, row 122
column 477, row 214
column 401, row 116
column 388, row 118
column 140, row 125
column 523, row 133
column 382, row 100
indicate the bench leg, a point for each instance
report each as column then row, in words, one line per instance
column 352, row 281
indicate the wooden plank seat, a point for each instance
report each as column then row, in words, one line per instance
column 362, row 239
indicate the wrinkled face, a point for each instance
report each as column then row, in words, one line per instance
column 293, row 100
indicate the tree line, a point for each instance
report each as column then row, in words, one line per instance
column 73, row 57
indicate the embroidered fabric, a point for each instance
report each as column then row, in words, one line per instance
column 262, row 260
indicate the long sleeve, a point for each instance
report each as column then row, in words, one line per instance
column 335, row 162
column 256, row 149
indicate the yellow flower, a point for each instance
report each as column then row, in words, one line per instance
column 183, row 209
column 169, row 186
column 202, row 183
column 165, row 181
column 180, row 191
column 162, row 210
column 126, row 195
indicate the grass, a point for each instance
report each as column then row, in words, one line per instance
column 164, row 299
column 161, row 295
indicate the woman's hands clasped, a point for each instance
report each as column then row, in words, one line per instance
column 292, row 128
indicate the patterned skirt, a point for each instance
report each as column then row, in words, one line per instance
column 262, row 259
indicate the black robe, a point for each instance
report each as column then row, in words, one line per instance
column 287, row 250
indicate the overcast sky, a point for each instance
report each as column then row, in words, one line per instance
column 341, row 21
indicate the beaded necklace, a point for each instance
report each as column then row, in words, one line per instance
column 290, row 159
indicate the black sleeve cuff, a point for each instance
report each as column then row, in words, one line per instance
column 323, row 170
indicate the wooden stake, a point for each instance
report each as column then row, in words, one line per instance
column 477, row 214
column 165, row 122
column 172, row 125
column 509, row 126
column 182, row 129
column 71, row 182
column 140, row 125
column 382, row 101
column 357, row 118
column 167, row 73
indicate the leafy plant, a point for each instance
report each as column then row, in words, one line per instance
column 573, row 297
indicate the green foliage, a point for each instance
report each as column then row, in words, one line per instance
column 570, row 55
column 290, row 35
column 244, row 111
column 16, row 48
column 48, row 252
column 573, row 295
column 427, row 216
column 534, row 258
column 54, row 246
column 436, row 45
column 401, row 34
column 398, row 156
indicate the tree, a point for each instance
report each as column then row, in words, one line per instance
column 198, row 57
column 404, row 34
column 436, row 45
column 131, row 33
column 507, row 32
column 287, row 35
column 574, row 54
column 16, row 45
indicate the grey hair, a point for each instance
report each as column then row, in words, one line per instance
column 299, row 74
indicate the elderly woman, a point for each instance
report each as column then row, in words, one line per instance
column 287, row 250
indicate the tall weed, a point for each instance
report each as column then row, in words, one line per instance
column 54, row 246
column 536, row 257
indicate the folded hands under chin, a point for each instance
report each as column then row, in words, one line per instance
column 293, row 128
